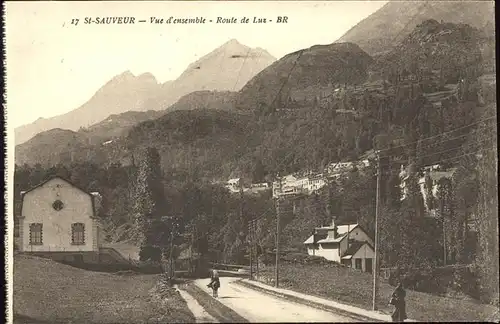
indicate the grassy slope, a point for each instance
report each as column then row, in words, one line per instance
column 49, row 292
column 355, row 288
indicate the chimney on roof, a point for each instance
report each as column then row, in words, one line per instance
column 97, row 202
column 335, row 232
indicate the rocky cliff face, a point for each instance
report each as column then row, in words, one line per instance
column 390, row 24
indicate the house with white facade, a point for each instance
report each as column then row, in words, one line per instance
column 435, row 172
column 234, row 185
column 347, row 244
column 403, row 176
column 434, row 176
column 292, row 185
column 60, row 219
column 259, row 187
column 315, row 183
column 287, row 186
column 339, row 167
column 363, row 164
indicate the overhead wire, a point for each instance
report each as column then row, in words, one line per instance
column 438, row 135
column 458, row 148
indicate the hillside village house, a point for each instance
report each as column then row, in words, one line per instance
column 435, row 176
column 433, row 171
column 309, row 183
column 58, row 220
column 337, row 167
column 234, row 185
column 292, row 185
column 259, row 187
column 347, row 244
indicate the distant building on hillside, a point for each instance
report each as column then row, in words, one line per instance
column 259, row 187
column 287, row 184
column 435, row 172
column 339, row 168
column 315, row 183
column 434, row 176
column 292, row 185
column 234, row 185
column 403, row 176
column 363, row 164
column 347, row 244
column 59, row 217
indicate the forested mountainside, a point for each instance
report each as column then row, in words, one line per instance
column 439, row 111
column 390, row 24
column 90, row 139
column 303, row 75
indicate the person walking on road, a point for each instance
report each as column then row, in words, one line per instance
column 398, row 300
column 214, row 282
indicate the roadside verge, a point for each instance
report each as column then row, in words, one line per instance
column 320, row 303
column 213, row 308
column 200, row 314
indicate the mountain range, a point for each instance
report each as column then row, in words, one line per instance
column 227, row 68
column 389, row 25
column 337, row 96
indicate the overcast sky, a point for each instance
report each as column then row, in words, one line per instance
column 54, row 67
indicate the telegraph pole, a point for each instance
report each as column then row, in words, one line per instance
column 256, row 250
column 441, row 210
column 377, row 214
column 278, row 212
column 241, row 199
column 172, row 270
column 191, row 261
column 250, row 247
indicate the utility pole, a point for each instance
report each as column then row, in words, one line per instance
column 241, row 199
column 191, row 262
column 278, row 212
column 250, row 247
column 256, row 249
column 172, row 270
column 441, row 211
column 377, row 214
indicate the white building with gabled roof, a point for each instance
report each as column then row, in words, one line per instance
column 348, row 244
column 57, row 216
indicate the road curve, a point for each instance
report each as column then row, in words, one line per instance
column 260, row 307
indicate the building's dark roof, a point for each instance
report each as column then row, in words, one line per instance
column 55, row 177
column 92, row 197
column 321, row 235
column 354, row 247
column 313, row 239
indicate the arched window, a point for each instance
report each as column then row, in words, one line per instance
column 78, row 233
column 36, row 233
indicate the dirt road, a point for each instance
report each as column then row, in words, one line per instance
column 256, row 306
